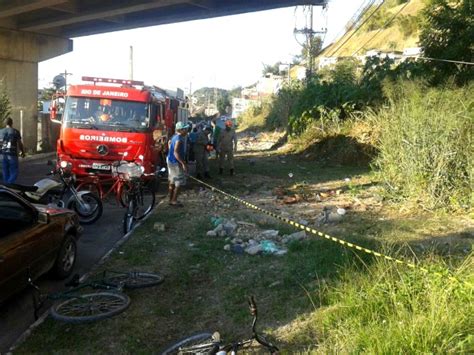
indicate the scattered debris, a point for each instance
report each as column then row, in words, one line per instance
column 246, row 224
column 304, row 222
column 253, row 249
column 341, row 211
column 244, row 237
column 279, row 191
column 289, row 200
column 271, row 233
column 334, row 217
column 159, row 227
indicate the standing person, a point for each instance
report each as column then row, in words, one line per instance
column 227, row 145
column 11, row 145
column 216, row 131
column 176, row 163
column 192, row 141
column 201, row 153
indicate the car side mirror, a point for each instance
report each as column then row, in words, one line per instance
column 43, row 218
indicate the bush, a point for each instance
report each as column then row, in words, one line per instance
column 255, row 116
column 425, row 144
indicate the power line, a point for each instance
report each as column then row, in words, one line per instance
column 441, row 60
column 354, row 19
column 385, row 25
column 358, row 28
column 425, row 58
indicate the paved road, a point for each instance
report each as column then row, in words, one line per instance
column 97, row 239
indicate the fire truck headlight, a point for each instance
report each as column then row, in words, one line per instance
column 63, row 164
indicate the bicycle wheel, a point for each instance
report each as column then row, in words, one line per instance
column 122, row 194
column 90, row 307
column 201, row 343
column 129, row 218
column 145, row 201
column 133, row 279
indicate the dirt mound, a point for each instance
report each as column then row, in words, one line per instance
column 341, row 149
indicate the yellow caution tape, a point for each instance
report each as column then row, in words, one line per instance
column 326, row 236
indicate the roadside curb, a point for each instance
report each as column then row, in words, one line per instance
column 84, row 277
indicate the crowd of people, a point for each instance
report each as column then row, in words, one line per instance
column 190, row 144
column 195, row 144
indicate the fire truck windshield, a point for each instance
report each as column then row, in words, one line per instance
column 106, row 114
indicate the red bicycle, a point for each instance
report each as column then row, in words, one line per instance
column 121, row 183
column 104, row 187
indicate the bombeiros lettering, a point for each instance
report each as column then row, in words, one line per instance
column 90, row 138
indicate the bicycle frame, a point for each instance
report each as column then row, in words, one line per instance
column 97, row 284
column 214, row 345
column 116, row 187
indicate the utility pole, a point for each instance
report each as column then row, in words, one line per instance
column 309, row 34
column 65, row 74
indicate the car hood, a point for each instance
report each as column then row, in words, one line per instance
column 52, row 210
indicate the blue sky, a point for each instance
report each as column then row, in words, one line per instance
column 222, row 52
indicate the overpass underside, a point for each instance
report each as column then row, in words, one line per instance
column 35, row 30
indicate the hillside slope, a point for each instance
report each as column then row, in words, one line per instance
column 402, row 33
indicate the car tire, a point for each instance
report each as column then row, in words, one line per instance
column 66, row 258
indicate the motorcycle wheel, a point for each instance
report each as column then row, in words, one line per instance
column 90, row 215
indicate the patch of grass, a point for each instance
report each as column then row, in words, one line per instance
column 319, row 297
column 390, row 308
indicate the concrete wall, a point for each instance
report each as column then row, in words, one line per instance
column 20, row 53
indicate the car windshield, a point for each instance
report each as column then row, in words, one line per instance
column 106, row 114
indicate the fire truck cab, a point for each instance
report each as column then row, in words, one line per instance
column 108, row 117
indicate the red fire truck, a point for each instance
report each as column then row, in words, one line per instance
column 102, row 120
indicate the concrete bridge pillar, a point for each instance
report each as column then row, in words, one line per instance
column 20, row 53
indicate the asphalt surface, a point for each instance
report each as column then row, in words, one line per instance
column 97, row 239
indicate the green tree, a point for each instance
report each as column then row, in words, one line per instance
column 314, row 49
column 5, row 104
column 271, row 69
column 448, row 33
column 223, row 102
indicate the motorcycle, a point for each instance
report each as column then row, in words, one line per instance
column 62, row 193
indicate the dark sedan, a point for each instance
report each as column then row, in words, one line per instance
column 34, row 239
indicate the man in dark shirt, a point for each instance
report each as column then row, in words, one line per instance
column 11, row 144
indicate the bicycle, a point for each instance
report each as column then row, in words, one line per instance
column 76, row 307
column 207, row 343
column 95, row 184
column 140, row 199
column 124, row 184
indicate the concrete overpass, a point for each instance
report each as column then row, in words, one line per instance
column 35, row 30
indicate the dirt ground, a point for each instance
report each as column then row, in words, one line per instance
column 208, row 278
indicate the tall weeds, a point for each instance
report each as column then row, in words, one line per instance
column 425, row 144
column 390, row 309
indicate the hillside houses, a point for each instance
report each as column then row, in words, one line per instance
column 397, row 56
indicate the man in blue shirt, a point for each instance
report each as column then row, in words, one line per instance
column 176, row 163
column 11, row 144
